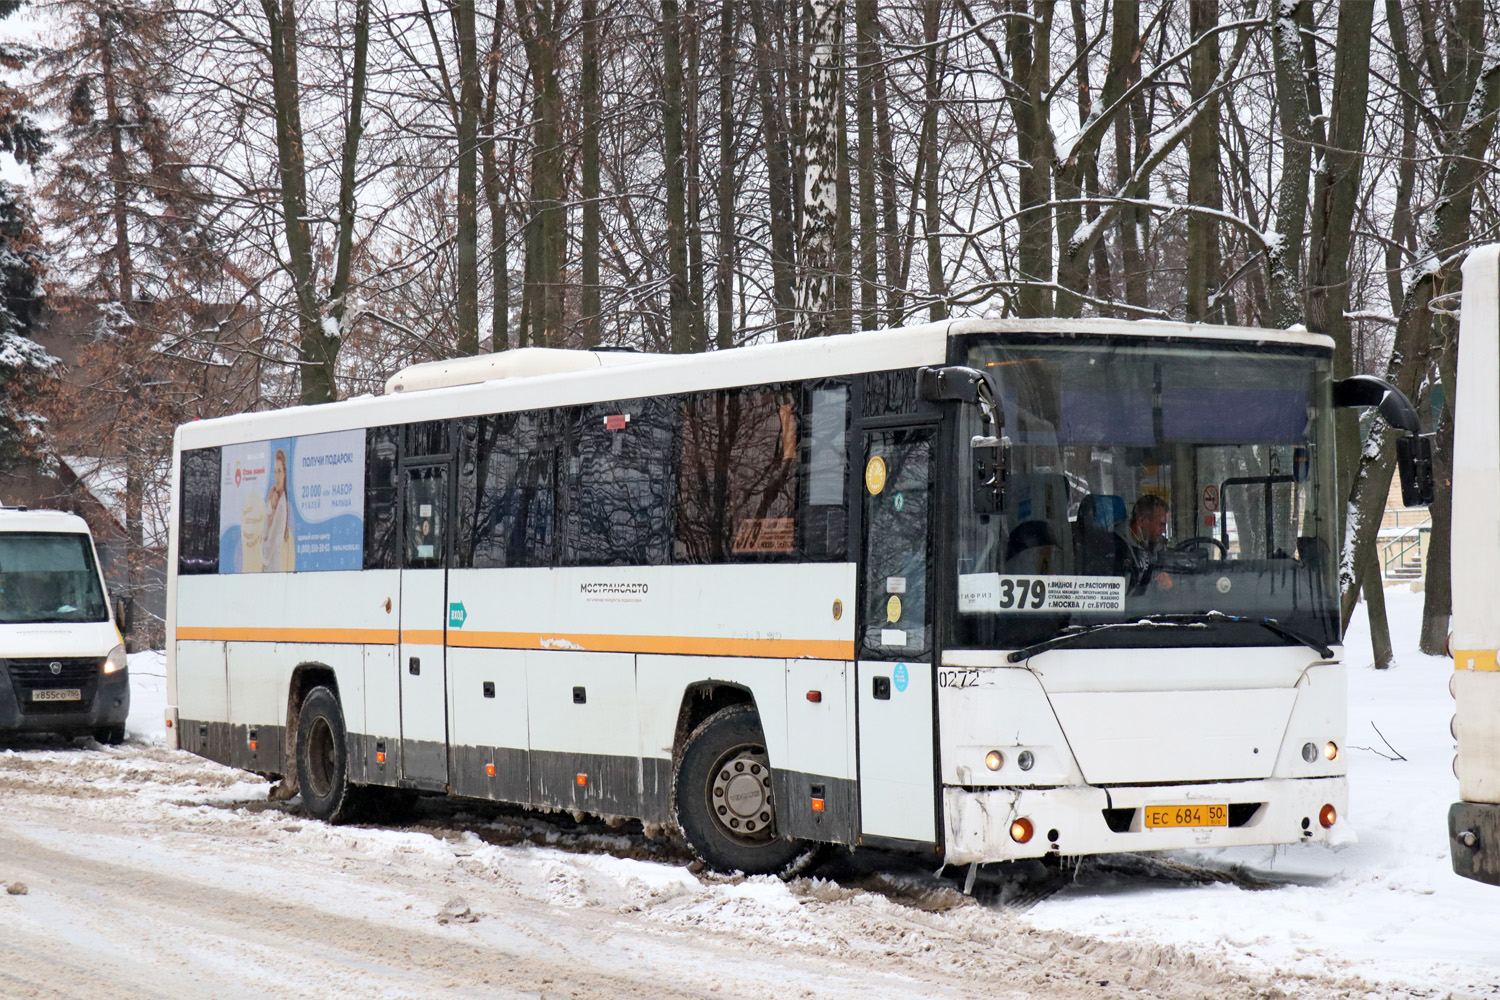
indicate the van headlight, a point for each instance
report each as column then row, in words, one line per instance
column 115, row 661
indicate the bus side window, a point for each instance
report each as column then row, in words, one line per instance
column 382, row 450
column 824, row 535
column 620, row 482
column 505, row 491
column 198, row 513
column 737, row 498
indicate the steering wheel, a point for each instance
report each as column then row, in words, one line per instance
column 1187, row 543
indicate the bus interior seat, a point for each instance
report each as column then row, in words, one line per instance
column 1094, row 537
column 1032, row 548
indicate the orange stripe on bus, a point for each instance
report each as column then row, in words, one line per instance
column 820, row 649
column 368, row 636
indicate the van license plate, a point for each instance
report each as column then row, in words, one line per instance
column 57, row 694
column 1194, row 815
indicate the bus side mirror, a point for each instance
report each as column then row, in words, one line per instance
column 1366, row 390
column 1414, row 465
column 125, row 614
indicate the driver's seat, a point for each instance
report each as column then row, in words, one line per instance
column 1094, row 537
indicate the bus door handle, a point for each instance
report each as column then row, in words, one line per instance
column 414, row 665
column 882, row 690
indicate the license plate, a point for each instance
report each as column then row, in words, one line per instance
column 57, row 694
column 1214, row 814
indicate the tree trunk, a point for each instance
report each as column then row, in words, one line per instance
column 819, row 243
column 1203, row 187
column 932, row 208
column 724, row 281
column 468, row 179
column 693, row 160
column 679, row 299
column 1283, row 263
column 317, row 349
column 1129, row 153
column 865, row 21
column 588, row 84
column 1027, row 47
column 1380, row 626
column 546, row 229
column 778, row 175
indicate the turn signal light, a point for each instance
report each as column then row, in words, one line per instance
column 815, row 696
column 1327, row 816
column 380, row 757
column 254, row 744
column 1021, row 830
column 817, row 805
column 581, row 780
column 489, row 769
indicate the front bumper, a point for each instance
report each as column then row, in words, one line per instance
column 1474, row 840
column 105, row 705
column 1088, row 820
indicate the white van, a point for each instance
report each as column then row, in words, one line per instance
column 62, row 661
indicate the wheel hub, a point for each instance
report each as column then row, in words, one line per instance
column 740, row 796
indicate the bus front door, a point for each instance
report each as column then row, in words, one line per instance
column 897, row 780
column 424, row 620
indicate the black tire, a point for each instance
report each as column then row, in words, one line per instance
column 724, row 762
column 110, row 735
column 323, row 758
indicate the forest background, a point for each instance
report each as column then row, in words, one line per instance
column 237, row 206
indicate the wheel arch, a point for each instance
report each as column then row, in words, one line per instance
column 305, row 676
column 702, row 699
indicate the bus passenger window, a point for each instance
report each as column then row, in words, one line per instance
column 618, row 483
column 382, row 447
column 825, row 450
column 505, row 491
column 198, row 527
column 738, row 492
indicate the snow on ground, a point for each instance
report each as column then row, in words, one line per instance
column 179, row 844
column 1385, row 908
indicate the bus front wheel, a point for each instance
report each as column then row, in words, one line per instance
column 723, row 794
column 323, row 757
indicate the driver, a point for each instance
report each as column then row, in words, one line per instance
column 1140, row 542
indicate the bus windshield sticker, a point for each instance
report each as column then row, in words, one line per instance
column 995, row 593
column 895, row 585
column 293, row 504
column 875, row 475
column 892, row 637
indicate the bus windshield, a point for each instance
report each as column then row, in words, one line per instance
column 1190, row 483
column 49, row 577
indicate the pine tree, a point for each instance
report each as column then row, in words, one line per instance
column 22, row 360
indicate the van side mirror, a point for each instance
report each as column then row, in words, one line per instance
column 1414, row 465
column 125, row 614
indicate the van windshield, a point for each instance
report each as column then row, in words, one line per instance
column 49, row 577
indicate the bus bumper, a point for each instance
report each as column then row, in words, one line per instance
column 1474, row 840
column 1088, row 820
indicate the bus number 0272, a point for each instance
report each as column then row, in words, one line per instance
column 966, row 678
column 1022, row 594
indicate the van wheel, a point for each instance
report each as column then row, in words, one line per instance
column 323, row 758
column 723, row 795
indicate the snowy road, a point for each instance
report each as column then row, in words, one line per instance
column 151, row 873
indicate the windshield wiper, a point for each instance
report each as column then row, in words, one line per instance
column 1160, row 621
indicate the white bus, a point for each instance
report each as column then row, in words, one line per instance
column 964, row 588
column 1474, row 822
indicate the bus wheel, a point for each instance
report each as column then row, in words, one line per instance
column 723, row 794
column 323, row 758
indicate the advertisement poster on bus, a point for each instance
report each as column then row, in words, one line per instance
column 293, row 504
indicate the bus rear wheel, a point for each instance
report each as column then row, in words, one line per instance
column 323, row 758
column 723, row 794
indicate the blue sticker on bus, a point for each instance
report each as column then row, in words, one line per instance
column 901, row 677
column 293, row 504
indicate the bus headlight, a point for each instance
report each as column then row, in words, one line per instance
column 994, row 760
column 1021, row 830
column 115, row 661
column 1331, row 750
